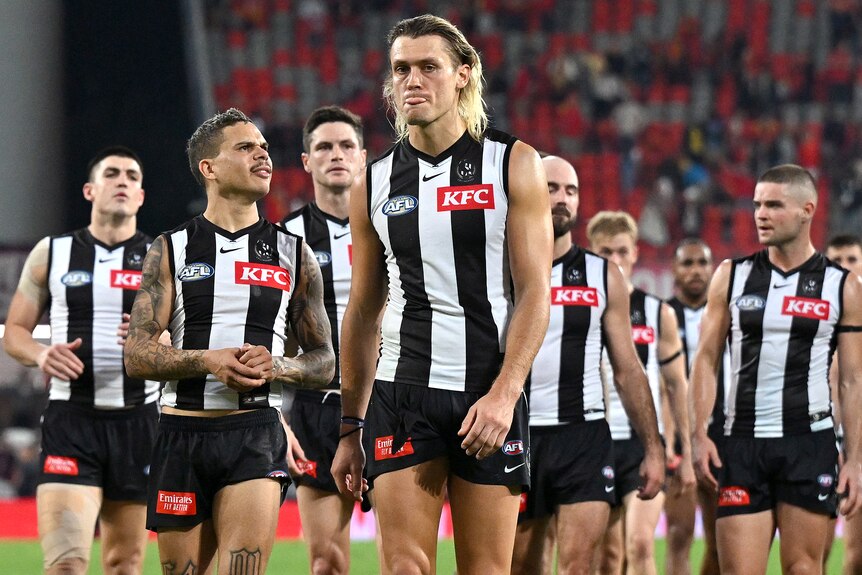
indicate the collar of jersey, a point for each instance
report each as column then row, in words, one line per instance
column 810, row 263
column 460, row 145
column 208, row 225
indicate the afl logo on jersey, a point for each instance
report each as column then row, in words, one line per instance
column 400, row 205
column 514, row 447
column 750, row 303
column 195, row 272
column 76, row 278
column 323, row 258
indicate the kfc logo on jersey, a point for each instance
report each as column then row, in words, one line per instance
column 805, row 307
column 479, row 197
column 125, row 279
column 643, row 334
column 574, row 295
column 307, row 467
column 247, row 273
column 383, row 448
column 58, row 465
column 733, row 497
column 176, row 503
column 514, row 447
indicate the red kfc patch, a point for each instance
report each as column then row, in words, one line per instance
column 126, row 279
column 574, row 295
column 805, row 307
column 262, row 275
column 58, row 465
column 475, row 197
column 383, row 448
column 176, row 503
column 733, row 497
column 307, row 467
column 643, row 334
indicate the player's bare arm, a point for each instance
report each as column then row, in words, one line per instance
column 315, row 366
column 359, row 339
column 672, row 361
column 145, row 357
column 704, row 370
column 27, row 306
column 850, row 396
column 530, row 243
column 631, row 382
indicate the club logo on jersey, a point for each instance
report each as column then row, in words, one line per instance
column 574, row 295
column 176, row 503
column 323, row 258
column 810, row 287
column 733, row 497
column 608, row 472
column 307, row 467
column 125, row 279
column 465, row 170
column 76, row 278
column 383, row 448
column 195, row 272
column 825, row 480
column 643, row 334
column 58, row 465
column 637, row 317
column 477, row 197
column 750, row 303
column 399, row 205
column 262, row 275
column 574, row 275
column 135, row 260
column 264, row 251
column 805, row 307
column 514, row 447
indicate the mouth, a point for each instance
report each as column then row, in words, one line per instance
column 262, row 171
column 121, row 196
column 413, row 100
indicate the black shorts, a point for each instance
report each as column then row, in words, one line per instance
column 628, row 455
column 195, row 457
column 408, row 424
column 105, row 448
column 570, row 463
column 800, row 470
column 315, row 419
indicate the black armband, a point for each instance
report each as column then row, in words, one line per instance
column 848, row 329
column 670, row 359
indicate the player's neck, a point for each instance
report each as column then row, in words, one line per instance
column 112, row 230
column 692, row 302
column 439, row 135
column 791, row 255
column 231, row 215
column 335, row 204
column 562, row 245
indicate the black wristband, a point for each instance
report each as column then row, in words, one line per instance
column 357, row 421
column 351, row 432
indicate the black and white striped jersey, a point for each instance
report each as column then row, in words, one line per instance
column 92, row 285
column 329, row 237
column 645, row 313
column 688, row 319
column 565, row 383
column 442, row 223
column 231, row 288
column 782, row 336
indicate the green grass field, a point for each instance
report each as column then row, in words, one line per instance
column 289, row 558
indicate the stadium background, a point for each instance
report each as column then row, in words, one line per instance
column 668, row 109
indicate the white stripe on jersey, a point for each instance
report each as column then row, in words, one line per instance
column 690, row 334
column 61, row 250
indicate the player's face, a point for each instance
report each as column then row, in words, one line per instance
column 565, row 196
column 243, row 163
column 425, row 80
column 848, row 257
column 692, row 269
column 334, row 158
column 619, row 249
column 778, row 215
column 115, row 189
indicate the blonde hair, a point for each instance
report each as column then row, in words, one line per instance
column 471, row 106
column 609, row 223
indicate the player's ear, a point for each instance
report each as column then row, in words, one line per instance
column 207, row 169
column 304, row 158
column 88, row 191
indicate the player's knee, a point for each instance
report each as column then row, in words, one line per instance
column 329, row 564
column 412, row 564
column 126, row 561
column 679, row 537
column 640, row 547
column 803, row 567
column 66, row 566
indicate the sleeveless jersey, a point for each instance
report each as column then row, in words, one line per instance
column 645, row 312
column 565, row 383
column 92, row 285
column 782, row 336
column 329, row 237
column 688, row 319
column 231, row 288
column 442, row 223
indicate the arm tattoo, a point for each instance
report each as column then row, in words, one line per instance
column 170, row 568
column 315, row 366
column 145, row 357
column 245, row 562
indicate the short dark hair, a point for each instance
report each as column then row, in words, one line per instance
column 792, row 175
column 206, row 140
column 121, row 151
column 327, row 114
column 844, row 241
column 684, row 243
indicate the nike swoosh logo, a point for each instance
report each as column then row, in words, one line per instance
column 101, row 261
column 426, row 178
column 224, row 251
column 609, row 488
column 339, row 236
column 823, row 496
column 776, row 286
column 508, row 469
